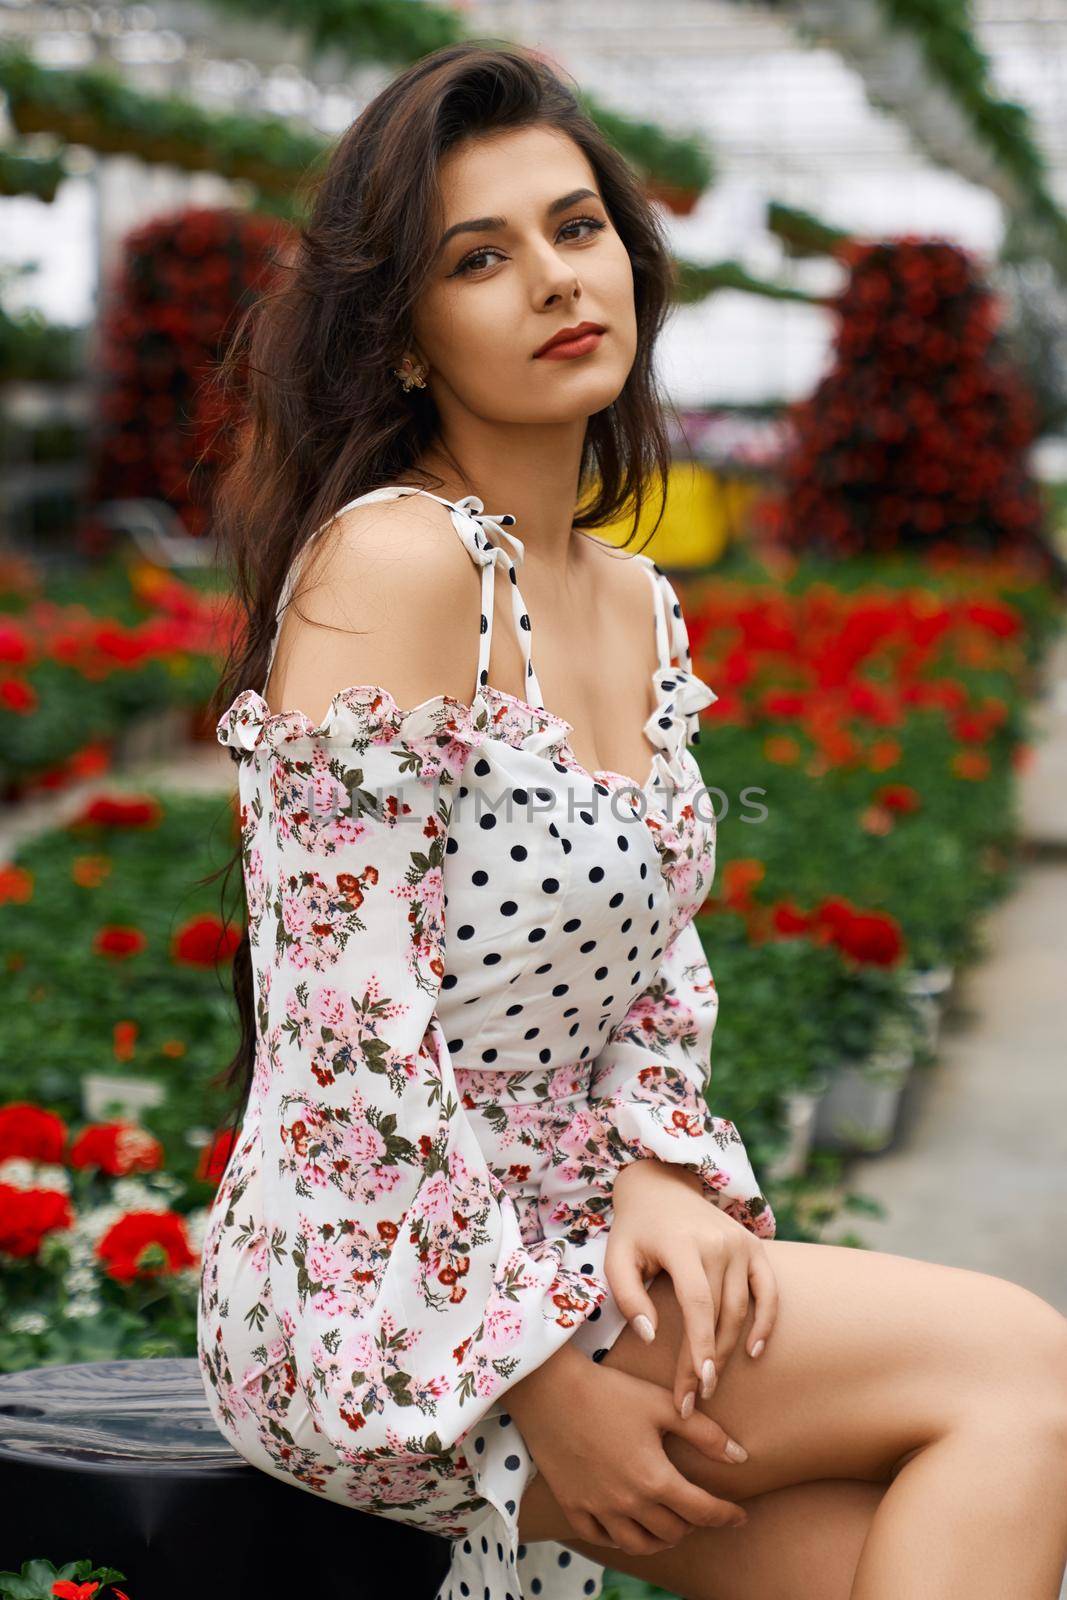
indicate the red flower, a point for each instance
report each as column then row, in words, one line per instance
column 118, row 942
column 124, row 1035
column 203, row 941
column 117, row 1148
column 214, row 1156
column 14, row 650
column 63, row 1589
column 121, row 811
column 740, row 878
column 29, row 1133
column 129, row 1246
column 26, row 1215
column 17, row 695
column 788, row 919
column 898, row 797
column 871, row 937
column 995, row 617
column 16, row 884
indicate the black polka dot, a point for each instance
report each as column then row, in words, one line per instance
column 513, row 1463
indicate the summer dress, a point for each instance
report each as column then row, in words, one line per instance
column 479, row 992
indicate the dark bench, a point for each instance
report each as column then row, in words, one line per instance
column 121, row 1461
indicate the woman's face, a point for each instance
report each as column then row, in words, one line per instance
column 532, row 267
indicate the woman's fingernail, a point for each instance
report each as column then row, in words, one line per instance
column 735, row 1451
column 688, row 1403
column 707, row 1378
column 758, row 1347
column 644, row 1328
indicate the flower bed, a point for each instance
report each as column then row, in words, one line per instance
column 862, row 757
column 83, row 657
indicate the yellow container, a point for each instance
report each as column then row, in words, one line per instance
column 703, row 511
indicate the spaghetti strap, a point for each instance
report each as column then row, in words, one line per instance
column 675, row 662
column 472, row 523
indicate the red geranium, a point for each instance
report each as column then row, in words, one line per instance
column 117, row 1148
column 871, row 937
column 203, row 941
column 16, row 884
column 898, row 797
column 118, row 942
column 132, row 1246
column 17, row 695
column 29, row 1133
column 26, row 1215
column 121, row 811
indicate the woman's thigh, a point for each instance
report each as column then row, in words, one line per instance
column 872, row 1356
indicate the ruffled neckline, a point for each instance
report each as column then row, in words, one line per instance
column 369, row 714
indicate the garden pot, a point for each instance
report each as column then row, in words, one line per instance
column 801, row 1106
column 860, row 1109
column 928, row 988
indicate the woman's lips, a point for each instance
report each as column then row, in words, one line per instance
column 571, row 348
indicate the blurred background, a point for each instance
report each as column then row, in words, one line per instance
column 867, row 200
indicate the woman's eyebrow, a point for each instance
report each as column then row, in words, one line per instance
column 487, row 224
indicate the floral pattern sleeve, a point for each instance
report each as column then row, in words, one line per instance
column 398, row 1275
column 650, row 1080
column 647, row 1101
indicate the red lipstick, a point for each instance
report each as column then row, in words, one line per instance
column 570, row 342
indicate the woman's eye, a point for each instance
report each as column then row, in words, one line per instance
column 464, row 268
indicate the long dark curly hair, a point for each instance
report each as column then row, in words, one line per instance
column 319, row 417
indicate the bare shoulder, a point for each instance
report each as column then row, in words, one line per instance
column 386, row 595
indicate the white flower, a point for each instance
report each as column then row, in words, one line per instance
column 83, row 1306
column 28, row 1322
column 22, row 1174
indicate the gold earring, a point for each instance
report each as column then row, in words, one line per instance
column 411, row 377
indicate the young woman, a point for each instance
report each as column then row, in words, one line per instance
column 483, row 1260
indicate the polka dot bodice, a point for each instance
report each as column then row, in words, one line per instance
column 479, row 991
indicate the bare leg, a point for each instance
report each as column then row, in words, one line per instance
column 877, row 1360
column 801, row 1543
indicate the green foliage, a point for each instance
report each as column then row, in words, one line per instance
column 37, row 1578
column 63, row 1000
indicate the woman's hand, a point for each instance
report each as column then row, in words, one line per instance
column 596, row 1436
column 663, row 1220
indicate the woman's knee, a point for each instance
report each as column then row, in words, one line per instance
column 1019, row 1345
